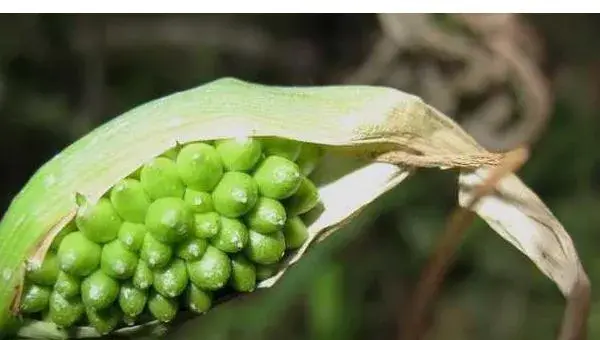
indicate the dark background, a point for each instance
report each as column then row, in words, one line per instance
column 507, row 79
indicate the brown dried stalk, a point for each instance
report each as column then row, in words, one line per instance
column 434, row 272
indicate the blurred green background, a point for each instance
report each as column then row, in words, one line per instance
column 504, row 78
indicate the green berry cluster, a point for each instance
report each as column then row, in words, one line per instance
column 201, row 220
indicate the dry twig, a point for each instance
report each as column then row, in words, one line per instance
column 434, row 272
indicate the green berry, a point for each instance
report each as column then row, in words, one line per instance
column 309, row 158
column 239, row 154
column 265, row 249
column 155, row 253
column 267, row 216
column 207, row 225
column 66, row 230
column 104, row 321
column 192, row 249
column 117, row 261
column 159, row 178
column 99, row 291
column 235, row 194
column 198, row 300
column 265, row 271
column 130, row 200
column 162, row 308
column 171, row 280
column 77, row 255
column 212, row 271
column 67, row 285
column 277, row 177
column 304, row 199
column 169, row 220
column 65, row 311
column 98, row 222
column 34, row 298
column 287, row 148
column 46, row 273
column 243, row 274
column 132, row 235
column 200, row 167
column 199, row 201
column 143, row 276
column 232, row 237
column 132, row 300
column 295, row 233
